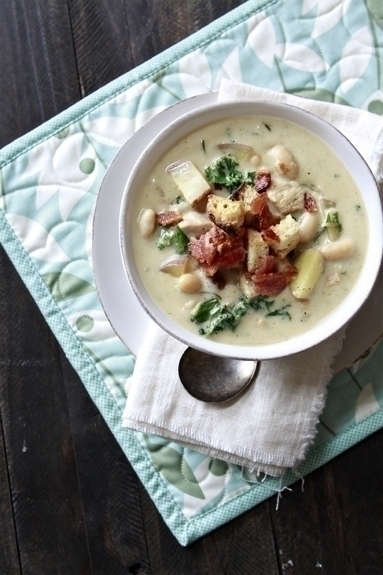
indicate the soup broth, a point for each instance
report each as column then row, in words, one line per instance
column 290, row 183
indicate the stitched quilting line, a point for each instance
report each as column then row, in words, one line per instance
column 172, row 58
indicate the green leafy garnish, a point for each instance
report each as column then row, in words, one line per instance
column 224, row 172
column 262, row 303
column 175, row 237
column 332, row 220
column 218, row 316
column 250, row 177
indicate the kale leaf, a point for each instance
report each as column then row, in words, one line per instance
column 224, row 172
column 175, row 237
column 218, row 316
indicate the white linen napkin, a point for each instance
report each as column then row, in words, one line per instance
column 271, row 425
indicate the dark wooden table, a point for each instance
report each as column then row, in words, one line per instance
column 69, row 500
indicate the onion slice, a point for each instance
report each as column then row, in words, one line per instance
column 236, row 151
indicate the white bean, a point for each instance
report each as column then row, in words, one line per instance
column 285, row 162
column 146, row 222
column 308, row 226
column 255, row 160
column 189, row 283
column 338, row 250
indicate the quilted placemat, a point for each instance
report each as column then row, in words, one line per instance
column 329, row 50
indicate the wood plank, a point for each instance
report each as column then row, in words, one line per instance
column 336, row 524
column 243, row 546
column 112, row 37
column 109, row 486
column 9, row 560
column 38, row 70
column 46, row 498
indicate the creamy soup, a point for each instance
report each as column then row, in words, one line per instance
column 271, row 224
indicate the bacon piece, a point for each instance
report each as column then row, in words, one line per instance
column 270, row 284
column 271, row 280
column 168, row 218
column 205, row 247
column 262, row 181
column 270, row 235
column 216, row 249
column 310, row 204
column 267, row 265
column 265, row 219
column 290, row 271
column 227, row 257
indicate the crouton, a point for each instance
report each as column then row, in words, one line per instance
column 225, row 213
column 288, row 197
column 283, row 237
column 252, row 201
column 257, row 249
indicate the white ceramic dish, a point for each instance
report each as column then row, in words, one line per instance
column 120, row 304
column 360, row 172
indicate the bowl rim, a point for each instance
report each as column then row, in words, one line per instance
column 191, row 120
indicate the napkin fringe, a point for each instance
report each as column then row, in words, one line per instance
column 377, row 163
column 254, row 461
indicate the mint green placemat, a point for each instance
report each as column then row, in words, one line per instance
column 49, row 180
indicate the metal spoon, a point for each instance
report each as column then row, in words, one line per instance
column 214, row 379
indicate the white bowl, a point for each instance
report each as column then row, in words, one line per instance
column 358, row 169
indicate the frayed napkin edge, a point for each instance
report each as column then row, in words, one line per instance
column 319, row 400
column 258, row 462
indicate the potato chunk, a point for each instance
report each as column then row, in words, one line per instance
column 190, row 181
column 310, row 266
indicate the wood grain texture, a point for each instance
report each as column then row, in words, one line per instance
column 9, row 560
column 38, row 72
column 70, row 502
column 333, row 525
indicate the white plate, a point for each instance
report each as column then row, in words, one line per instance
column 120, row 304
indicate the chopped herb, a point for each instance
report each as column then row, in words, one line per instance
column 218, row 316
column 228, row 131
column 250, row 177
column 357, row 207
column 262, row 303
column 203, row 145
column 332, row 220
column 175, row 237
column 318, row 235
column 224, row 172
column 177, row 200
column 266, row 126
